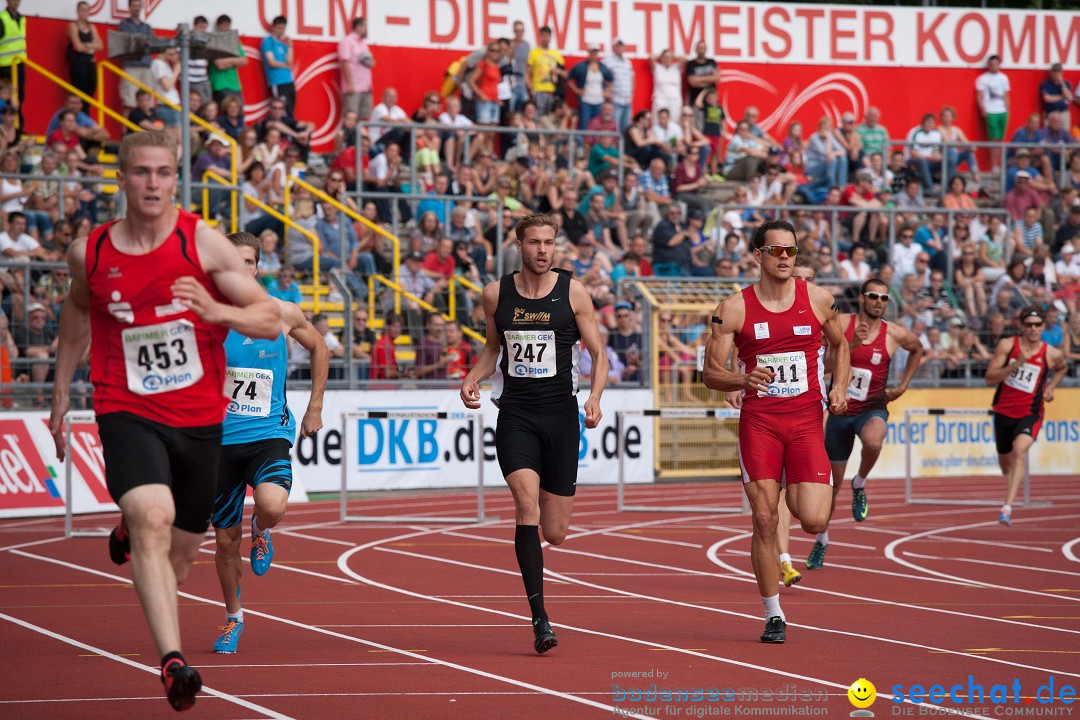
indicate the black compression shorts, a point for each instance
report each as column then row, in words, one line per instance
column 543, row 438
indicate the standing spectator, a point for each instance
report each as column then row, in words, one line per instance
column 519, row 65
column 925, row 150
column 622, row 88
column 199, row 68
column 484, row 82
column 138, row 68
column 165, row 70
column 874, row 135
column 992, row 97
column 12, row 47
column 1056, row 93
column 546, row 67
column 390, row 112
column 83, row 42
column 667, row 82
column 702, row 74
column 957, row 154
column 356, row 62
column 384, row 365
column 591, row 81
column 224, row 78
column 277, row 55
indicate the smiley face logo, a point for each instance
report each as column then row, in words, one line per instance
column 862, row 693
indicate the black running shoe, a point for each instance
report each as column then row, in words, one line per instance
column 182, row 683
column 545, row 636
column 860, row 506
column 120, row 543
column 775, row 631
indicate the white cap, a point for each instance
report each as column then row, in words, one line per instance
column 734, row 218
column 1068, row 248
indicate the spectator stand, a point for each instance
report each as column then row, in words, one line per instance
column 674, row 323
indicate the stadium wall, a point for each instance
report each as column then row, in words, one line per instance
column 795, row 62
column 437, row 453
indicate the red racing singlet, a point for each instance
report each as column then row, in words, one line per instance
column 148, row 354
column 1021, row 393
column 788, row 343
column 869, row 371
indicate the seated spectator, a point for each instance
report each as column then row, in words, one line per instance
column 626, row 341
column 602, row 227
column 231, row 117
column 925, row 150
column 299, row 247
column 426, row 234
column 642, row 143
column 861, row 195
column 656, row 192
column 453, row 145
column 215, row 162
column 745, row 154
column 295, row 131
column 969, row 280
column 616, row 369
column 144, row 114
column 1053, row 333
column 441, row 208
column 690, row 180
column 671, row 244
column 1067, row 270
column 1069, row 230
column 337, row 234
column 269, row 260
column 439, row 263
column 12, row 139
column 603, row 157
column 17, row 245
column 300, row 358
column 825, row 162
column 286, row 287
column 384, row 364
column 346, row 135
column 911, row 197
column 855, row 267
column 587, row 258
column 432, row 357
column 462, row 354
column 1022, row 163
column 933, row 237
column 990, row 248
column 1071, row 346
column 942, row 303
column 1012, row 291
column 37, row 341
column 86, row 129
column 957, row 198
column 1027, row 233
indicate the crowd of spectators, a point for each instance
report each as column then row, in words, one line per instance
column 960, row 250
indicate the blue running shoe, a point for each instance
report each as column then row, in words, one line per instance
column 817, row 556
column 1005, row 518
column 262, row 553
column 230, row 637
column 860, row 506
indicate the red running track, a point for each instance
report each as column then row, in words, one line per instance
column 391, row 621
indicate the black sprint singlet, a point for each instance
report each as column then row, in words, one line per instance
column 538, row 356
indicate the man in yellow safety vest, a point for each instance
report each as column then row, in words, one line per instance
column 13, row 47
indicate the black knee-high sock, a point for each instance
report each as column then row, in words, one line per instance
column 531, row 561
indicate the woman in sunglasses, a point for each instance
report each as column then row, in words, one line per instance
column 1021, row 368
column 777, row 325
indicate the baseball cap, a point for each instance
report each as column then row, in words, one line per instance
column 35, row 307
column 592, row 46
column 1031, row 311
column 1023, row 152
column 733, row 217
column 216, row 139
column 1067, row 248
column 1023, row 174
column 415, row 255
column 623, row 306
column 847, row 117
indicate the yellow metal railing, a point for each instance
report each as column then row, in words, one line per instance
column 316, row 302
column 400, row 291
column 233, row 159
column 207, row 176
column 103, row 109
column 342, row 208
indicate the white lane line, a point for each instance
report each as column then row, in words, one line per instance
column 138, row 666
column 285, row 566
column 343, row 564
column 662, row 541
column 342, row 636
column 1067, row 550
column 891, row 553
column 992, row 563
column 32, row 544
column 935, row 535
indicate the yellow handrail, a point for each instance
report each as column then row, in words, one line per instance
column 105, row 64
column 206, row 177
column 355, row 216
column 302, row 230
column 101, row 106
column 398, row 291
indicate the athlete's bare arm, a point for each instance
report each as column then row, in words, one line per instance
column 73, row 341
column 828, row 313
column 731, row 313
column 296, row 326
column 907, row 340
column 252, row 313
column 1000, row 367
column 1055, row 361
column 581, row 304
column 489, row 356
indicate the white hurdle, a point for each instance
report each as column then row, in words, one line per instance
column 80, row 417
column 673, row 413
column 478, row 449
column 909, row 494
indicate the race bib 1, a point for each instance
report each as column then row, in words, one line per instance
column 859, row 387
column 790, row 377
column 249, row 391
column 1024, row 378
column 530, row 353
column 161, row 358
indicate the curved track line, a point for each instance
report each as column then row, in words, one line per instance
column 890, row 552
column 139, row 666
column 1067, row 549
column 343, row 566
column 714, row 557
column 340, row 636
